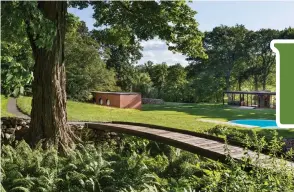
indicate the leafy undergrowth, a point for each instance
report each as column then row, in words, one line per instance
column 4, row 101
column 239, row 135
column 134, row 165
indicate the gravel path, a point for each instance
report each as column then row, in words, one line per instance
column 12, row 108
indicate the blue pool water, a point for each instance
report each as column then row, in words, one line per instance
column 257, row 122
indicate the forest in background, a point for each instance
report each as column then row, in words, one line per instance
column 53, row 159
column 106, row 60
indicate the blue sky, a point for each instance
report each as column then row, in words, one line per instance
column 253, row 14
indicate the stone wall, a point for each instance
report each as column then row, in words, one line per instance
column 14, row 128
column 152, row 101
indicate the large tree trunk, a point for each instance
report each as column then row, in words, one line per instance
column 256, row 82
column 263, row 80
column 48, row 115
column 264, row 83
column 239, row 84
column 228, row 76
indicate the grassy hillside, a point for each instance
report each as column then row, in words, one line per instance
column 182, row 116
column 4, row 101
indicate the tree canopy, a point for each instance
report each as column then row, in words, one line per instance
column 122, row 26
column 43, row 43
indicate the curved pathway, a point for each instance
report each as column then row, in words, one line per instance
column 12, row 108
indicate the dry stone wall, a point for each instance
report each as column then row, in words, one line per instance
column 152, row 101
column 14, row 128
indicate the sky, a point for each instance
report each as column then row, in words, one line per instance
column 253, row 14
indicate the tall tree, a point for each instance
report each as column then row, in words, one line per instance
column 121, row 61
column 44, row 25
column 48, row 116
column 123, row 51
column 287, row 33
column 44, row 22
column 85, row 70
column 142, row 83
column 253, row 69
column 176, row 83
column 206, row 79
column 227, row 45
column 265, row 54
column 158, row 76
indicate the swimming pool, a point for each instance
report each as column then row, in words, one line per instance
column 256, row 123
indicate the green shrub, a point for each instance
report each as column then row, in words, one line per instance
column 140, row 165
column 24, row 169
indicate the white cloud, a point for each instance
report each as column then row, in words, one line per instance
column 148, row 54
column 154, row 44
column 157, row 51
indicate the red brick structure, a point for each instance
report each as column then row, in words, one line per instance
column 118, row 99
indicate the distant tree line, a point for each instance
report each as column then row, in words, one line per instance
column 238, row 59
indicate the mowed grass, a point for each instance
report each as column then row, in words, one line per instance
column 4, row 101
column 182, row 116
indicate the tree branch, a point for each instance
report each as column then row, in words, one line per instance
column 31, row 38
column 125, row 7
column 48, row 8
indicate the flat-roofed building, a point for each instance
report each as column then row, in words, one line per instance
column 118, row 99
column 260, row 99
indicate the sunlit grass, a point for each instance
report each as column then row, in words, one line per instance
column 4, row 101
column 182, row 116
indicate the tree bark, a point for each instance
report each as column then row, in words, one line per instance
column 264, row 83
column 256, row 82
column 48, row 115
column 239, row 84
column 228, row 76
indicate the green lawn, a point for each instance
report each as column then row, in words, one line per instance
column 4, row 112
column 182, row 116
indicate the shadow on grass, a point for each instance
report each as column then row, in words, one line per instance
column 214, row 111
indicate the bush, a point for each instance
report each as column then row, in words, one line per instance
column 138, row 165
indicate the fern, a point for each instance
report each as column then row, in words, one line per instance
column 137, row 165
